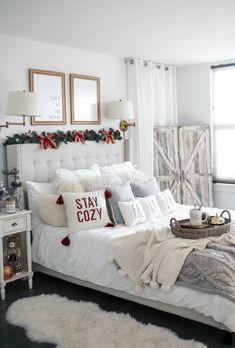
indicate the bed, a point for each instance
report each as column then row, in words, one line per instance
column 39, row 165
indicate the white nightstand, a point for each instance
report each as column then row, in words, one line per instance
column 19, row 224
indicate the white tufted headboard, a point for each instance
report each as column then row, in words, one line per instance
column 39, row 165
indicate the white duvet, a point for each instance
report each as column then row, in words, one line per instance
column 87, row 259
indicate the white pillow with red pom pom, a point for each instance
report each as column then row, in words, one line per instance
column 85, row 210
column 35, row 192
column 51, row 213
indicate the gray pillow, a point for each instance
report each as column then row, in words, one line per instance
column 145, row 188
column 120, row 193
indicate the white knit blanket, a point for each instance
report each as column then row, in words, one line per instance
column 156, row 257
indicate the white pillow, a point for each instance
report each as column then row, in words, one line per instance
column 69, row 186
column 67, row 174
column 117, row 168
column 85, row 210
column 150, row 207
column 35, row 192
column 123, row 177
column 92, row 183
column 138, row 175
column 89, row 178
column 166, row 201
column 108, row 180
column 99, row 182
column 132, row 212
column 51, row 213
column 111, row 179
column 41, row 187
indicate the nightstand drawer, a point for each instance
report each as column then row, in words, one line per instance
column 13, row 225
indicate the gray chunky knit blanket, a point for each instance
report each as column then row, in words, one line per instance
column 156, row 258
column 210, row 270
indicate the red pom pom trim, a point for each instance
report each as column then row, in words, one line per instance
column 60, row 200
column 65, row 241
column 110, row 224
column 108, row 194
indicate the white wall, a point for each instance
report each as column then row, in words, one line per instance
column 194, row 107
column 18, row 55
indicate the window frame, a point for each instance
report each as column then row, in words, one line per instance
column 214, row 126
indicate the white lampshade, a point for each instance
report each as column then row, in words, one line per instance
column 120, row 109
column 24, row 104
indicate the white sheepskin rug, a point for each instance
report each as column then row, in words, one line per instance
column 71, row 324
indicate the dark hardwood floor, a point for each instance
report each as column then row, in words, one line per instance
column 14, row 337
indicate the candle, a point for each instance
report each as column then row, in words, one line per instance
column 10, row 206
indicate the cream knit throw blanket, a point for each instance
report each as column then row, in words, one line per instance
column 156, row 257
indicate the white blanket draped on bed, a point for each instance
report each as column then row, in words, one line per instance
column 156, row 257
column 86, row 259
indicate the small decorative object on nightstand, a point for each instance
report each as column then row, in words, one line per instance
column 10, row 206
column 15, row 183
column 3, row 195
column 15, row 248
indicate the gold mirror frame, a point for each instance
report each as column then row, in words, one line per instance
column 33, row 88
column 72, row 98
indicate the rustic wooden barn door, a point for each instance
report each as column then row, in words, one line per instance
column 195, row 165
column 182, row 162
column 166, row 160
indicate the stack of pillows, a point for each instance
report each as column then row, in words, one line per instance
column 98, row 197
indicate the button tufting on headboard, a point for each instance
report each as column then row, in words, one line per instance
column 36, row 164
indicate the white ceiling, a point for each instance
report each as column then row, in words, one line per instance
column 170, row 31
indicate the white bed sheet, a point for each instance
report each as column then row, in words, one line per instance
column 87, row 259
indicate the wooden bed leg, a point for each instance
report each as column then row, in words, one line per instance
column 227, row 338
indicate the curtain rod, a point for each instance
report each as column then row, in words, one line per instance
column 222, row 65
column 145, row 61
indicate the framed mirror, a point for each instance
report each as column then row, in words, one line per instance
column 85, row 99
column 51, row 87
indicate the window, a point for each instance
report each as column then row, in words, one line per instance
column 223, row 84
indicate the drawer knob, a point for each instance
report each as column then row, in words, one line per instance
column 14, row 224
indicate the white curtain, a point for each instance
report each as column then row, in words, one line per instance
column 165, row 98
column 152, row 89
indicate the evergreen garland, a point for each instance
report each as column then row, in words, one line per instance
column 32, row 137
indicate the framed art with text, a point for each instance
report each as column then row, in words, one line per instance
column 51, row 87
column 85, row 99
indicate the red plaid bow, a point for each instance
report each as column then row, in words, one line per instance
column 48, row 141
column 109, row 136
column 79, row 137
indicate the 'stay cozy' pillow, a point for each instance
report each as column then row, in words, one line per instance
column 85, row 210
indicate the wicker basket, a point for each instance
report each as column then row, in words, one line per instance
column 196, row 233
